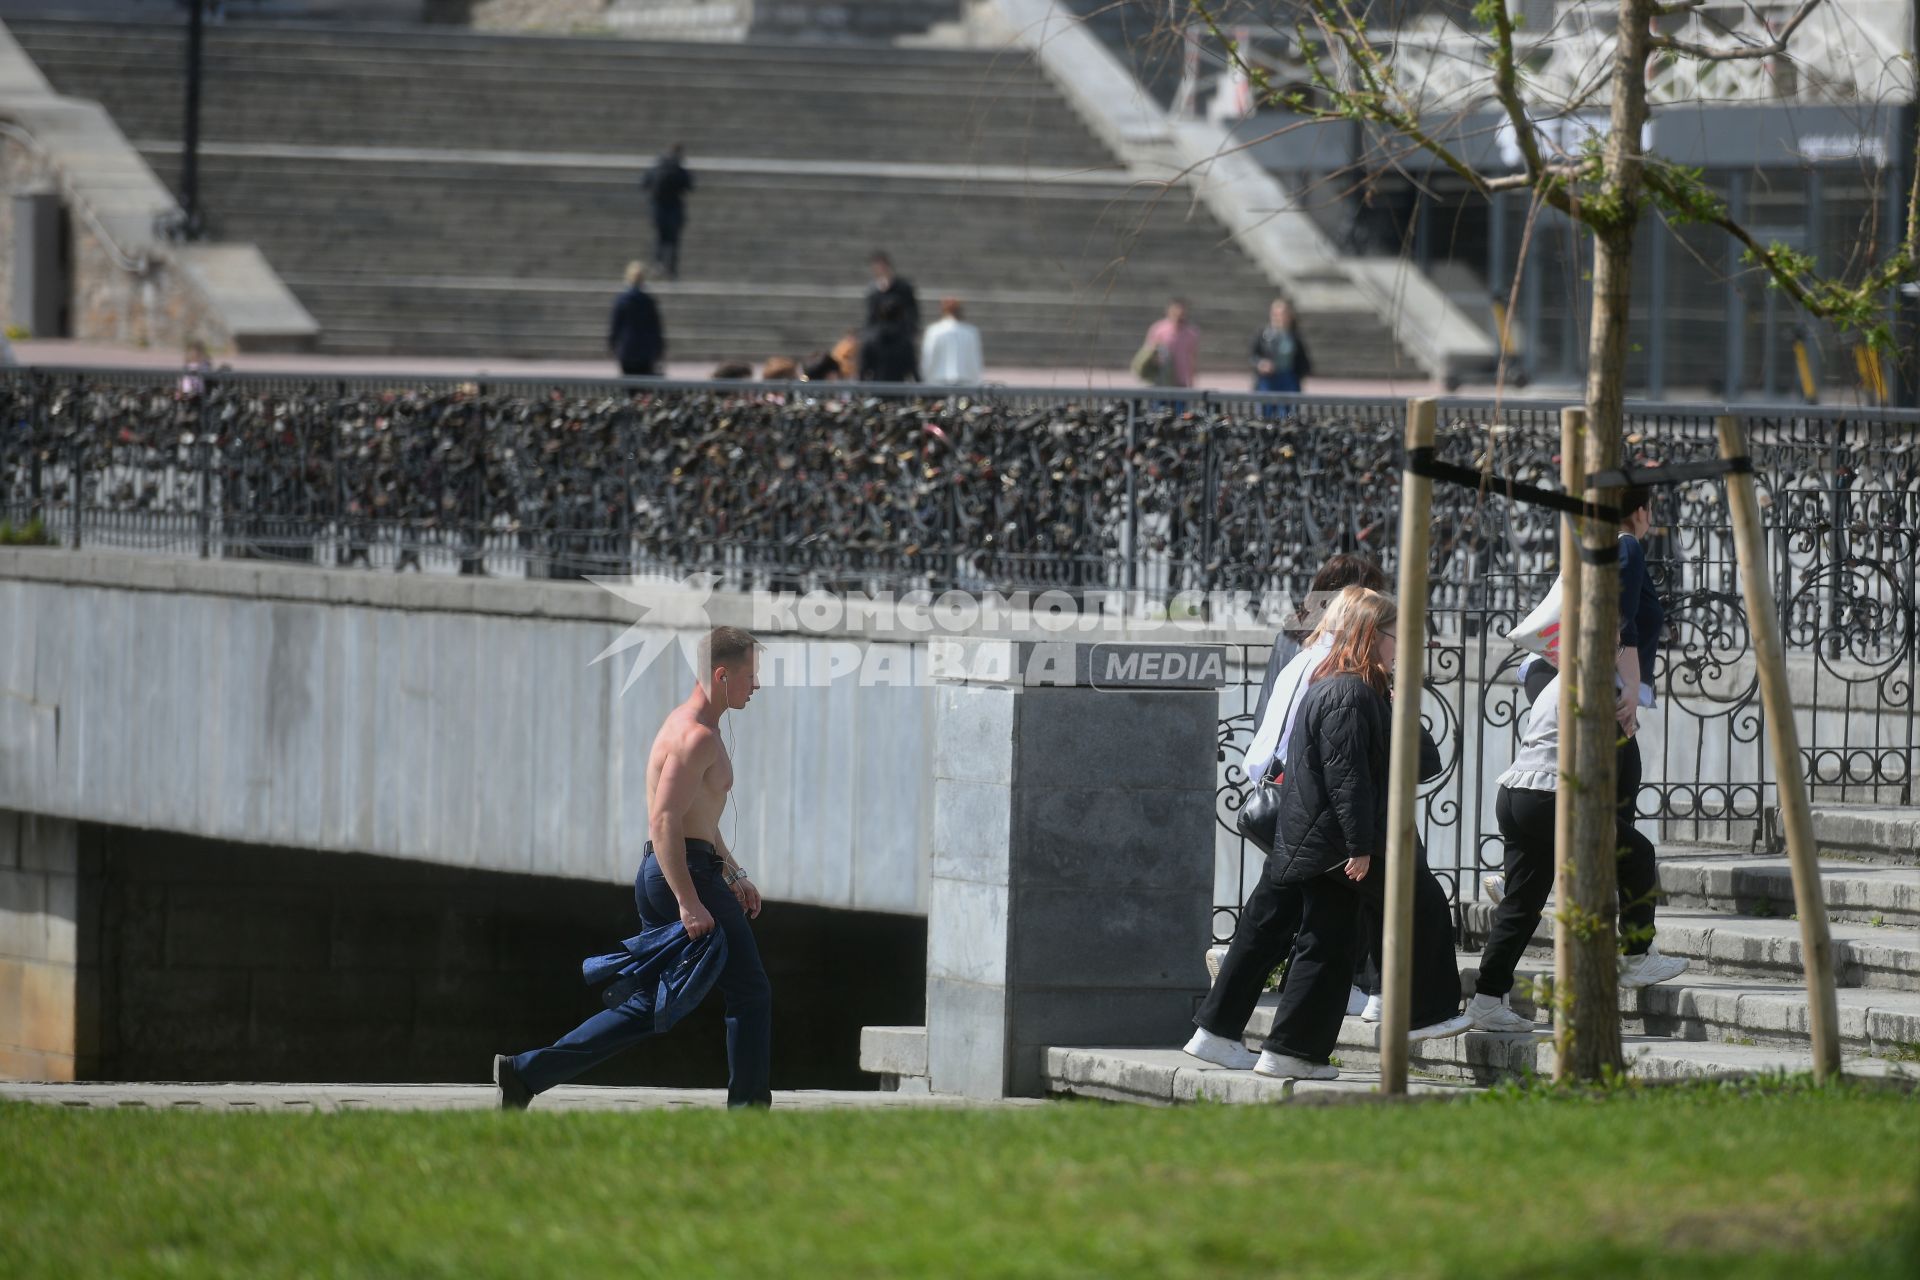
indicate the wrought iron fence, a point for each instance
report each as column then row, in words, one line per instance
column 845, row 487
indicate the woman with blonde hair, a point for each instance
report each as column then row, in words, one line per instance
column 1330, row 835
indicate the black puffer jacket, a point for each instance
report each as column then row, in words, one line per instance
column 1333, row 802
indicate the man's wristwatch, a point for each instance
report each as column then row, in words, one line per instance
column 729, row 878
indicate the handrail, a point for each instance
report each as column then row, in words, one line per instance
column 141, row 264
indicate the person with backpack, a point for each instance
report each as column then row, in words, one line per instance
column 1170, row 353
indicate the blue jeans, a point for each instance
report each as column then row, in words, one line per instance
column 1274, row 382
column 743, row 984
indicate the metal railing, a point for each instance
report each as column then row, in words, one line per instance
column 841, row 487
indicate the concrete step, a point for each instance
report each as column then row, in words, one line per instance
column 1704, row 1006
column 1671, row 1026
column 1743, row 884
column 898, row 1055
column 1165, row 1077
column 1884, row 957
column 1869, row 833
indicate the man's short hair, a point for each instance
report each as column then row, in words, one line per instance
column 880, row 259
column 722, row 647
column 636, row 272
column 951, row 307
column 1631, row 500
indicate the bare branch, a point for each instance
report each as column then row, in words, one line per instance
column 1703, row 53
column 1677, row 6
column 1506, row 88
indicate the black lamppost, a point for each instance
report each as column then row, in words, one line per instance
column 192, row 224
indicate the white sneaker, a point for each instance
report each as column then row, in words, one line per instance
column 1494, row 885
column 1220, row 1051
column 1645, row 970
column 1488, row 1013
column 1356, row 1001
column 1440, row 1030
column 1372, row 1011
column 1281, row 1067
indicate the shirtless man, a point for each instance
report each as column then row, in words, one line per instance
column 689, row 875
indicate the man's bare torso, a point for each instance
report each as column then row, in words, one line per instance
column 678, row 739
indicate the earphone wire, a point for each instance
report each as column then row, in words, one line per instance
column 726, row 743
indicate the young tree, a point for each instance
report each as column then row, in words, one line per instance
column 1608, row 185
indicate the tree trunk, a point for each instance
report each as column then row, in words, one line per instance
column 1587, row 1038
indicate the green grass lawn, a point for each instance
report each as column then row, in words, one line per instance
column 1692, row 1183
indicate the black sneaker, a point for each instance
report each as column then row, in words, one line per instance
column 514, row 1094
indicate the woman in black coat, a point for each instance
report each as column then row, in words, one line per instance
column 1331, row 835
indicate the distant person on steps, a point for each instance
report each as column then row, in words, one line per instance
column 887, row 350
column 635, row 335
column 887, row 287
column 1279, row 357
column 950, row 349
column 667, row 184
column 1176, row 345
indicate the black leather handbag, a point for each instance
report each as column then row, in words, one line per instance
column 1259, row 815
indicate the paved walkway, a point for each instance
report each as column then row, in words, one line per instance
column 454, row 1097
column 104, row 355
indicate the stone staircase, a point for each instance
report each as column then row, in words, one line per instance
column 1741, row 1010
column 436, row 192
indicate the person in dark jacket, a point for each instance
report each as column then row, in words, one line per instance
column 1330, row 841
column 1280, row 361
column 888, row 287
column 667, row 184
column 888, row 349
column 1342, row 570
column 634, row 334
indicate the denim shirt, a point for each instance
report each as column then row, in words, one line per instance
column 660, row 974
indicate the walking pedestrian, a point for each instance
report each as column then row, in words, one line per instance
column 887, row 286
column 1524, row 808
column 1280, row 361
column 1330, row 840
column 1171, row 350
column 950, row 349
column 887, row 352
column 695, row 903
column 1524, row 805
column 635, row 334
column 667, row 185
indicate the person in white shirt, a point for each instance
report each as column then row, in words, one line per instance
column 950, row 349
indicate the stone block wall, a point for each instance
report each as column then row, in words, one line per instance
column 49, row 950
column 1072, row 848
